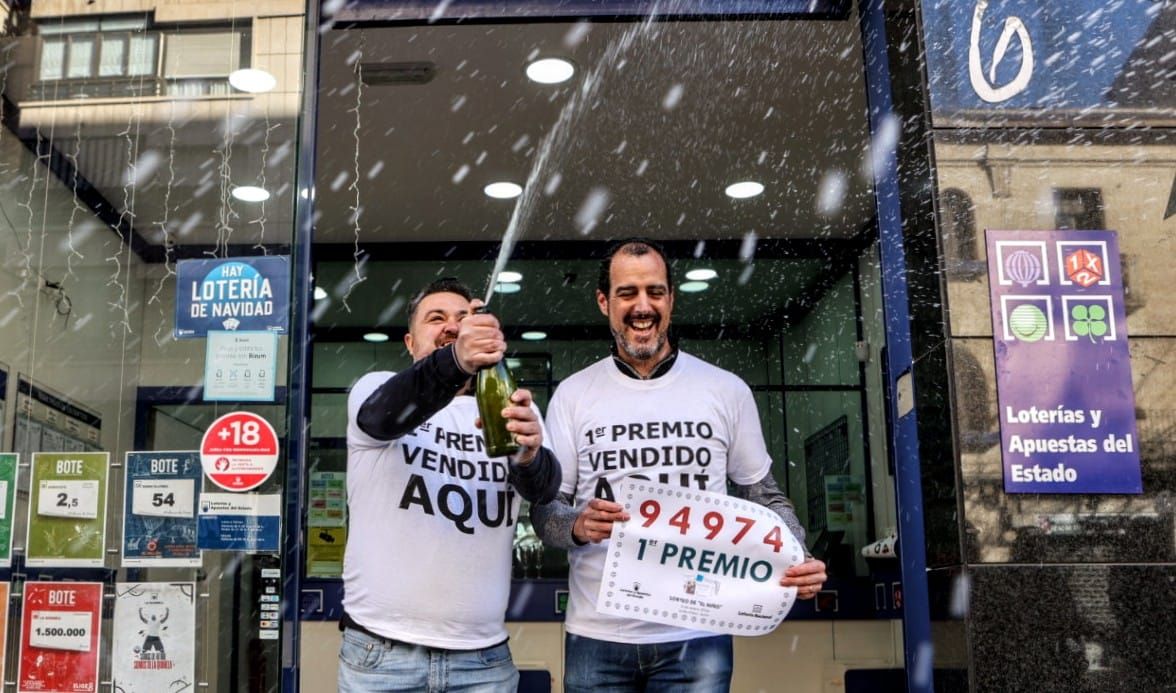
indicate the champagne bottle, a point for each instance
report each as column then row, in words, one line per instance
column 494, row 387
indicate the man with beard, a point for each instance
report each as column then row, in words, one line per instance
column 426, row 573
column 656, row 402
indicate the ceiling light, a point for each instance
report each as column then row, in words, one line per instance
column 744, row 189
column 550, row 71
column 701, row 275
column 250, row 193
column 507, row 288
column 252, row 81
column 509, row 276
column 693, row 287
column 503, row 190
column 319, row 293
column 534, row 336
column 376, row 337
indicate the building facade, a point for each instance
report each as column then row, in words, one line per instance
column 338, row 156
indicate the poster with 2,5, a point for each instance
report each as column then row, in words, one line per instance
column 67, row 510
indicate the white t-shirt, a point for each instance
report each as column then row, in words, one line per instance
column 432, row 528
column 695, row 426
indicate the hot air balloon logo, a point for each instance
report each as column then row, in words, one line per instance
column 1023, row 267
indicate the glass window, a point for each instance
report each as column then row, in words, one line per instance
column 52, row 58
column 119, row 195
column 112, row 56
column 201, row 55
column 765, row 287
column 142, row 55
column 1079, row 208
column 80, row 62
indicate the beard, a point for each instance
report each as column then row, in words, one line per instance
column 640, row 352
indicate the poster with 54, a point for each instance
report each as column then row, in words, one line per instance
column 159, row 516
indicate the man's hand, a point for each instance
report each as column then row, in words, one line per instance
column 479, row 340
column 806, row 577
column 522, row 421
column 595, row 522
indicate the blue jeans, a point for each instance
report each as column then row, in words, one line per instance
column 702, row 665
column 372, row 665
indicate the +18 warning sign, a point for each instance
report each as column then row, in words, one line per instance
column 239, row 451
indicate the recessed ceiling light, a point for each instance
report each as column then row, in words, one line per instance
column 252, row 81
column 509, row 276
column 693, row 287
column 319, row 293
column 503, row 190
column 508, row 288
column 250, row 193
column 376, row 337
column 701, row 275
column 744, row 189
column 535, row 336
column 550, row 71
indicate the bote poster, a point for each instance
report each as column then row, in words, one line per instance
column 59, row 635
column 154, row 636
column 7, row 505
column 5, row 590
column 159, row 518
column 67, row 509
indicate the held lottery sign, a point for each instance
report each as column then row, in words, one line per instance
column 1063, row 370
column 698, row 560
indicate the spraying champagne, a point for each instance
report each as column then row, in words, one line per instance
column 492, row 391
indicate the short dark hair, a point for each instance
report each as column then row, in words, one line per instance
column 636, row 246
column 444, row 285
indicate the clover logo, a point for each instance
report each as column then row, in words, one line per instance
column 1089, row 321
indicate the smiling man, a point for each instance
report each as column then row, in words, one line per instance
column 649, row 398
column 426, row 573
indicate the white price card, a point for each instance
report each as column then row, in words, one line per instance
column 164, row 497
column 68, row 498
column 61, row 630
column 3, row 497
column 698, row 560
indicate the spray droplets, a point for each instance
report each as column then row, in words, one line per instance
column 577, row 34
column 881, row 147
column 831, row 194
column 592, row 209
column 144, row 169
column 552, row 184
column 673, row 97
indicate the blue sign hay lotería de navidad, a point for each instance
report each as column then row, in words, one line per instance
column 1063, row 369
column 244, row 294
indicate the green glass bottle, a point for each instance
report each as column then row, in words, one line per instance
column 494, row 387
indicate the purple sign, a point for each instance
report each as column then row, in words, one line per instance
column 1063, row 371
